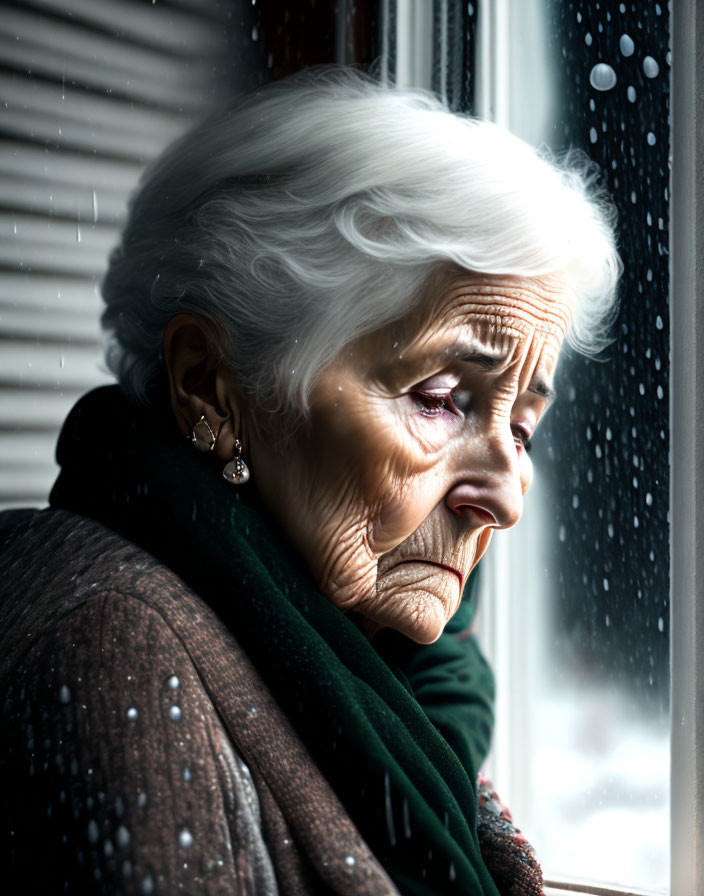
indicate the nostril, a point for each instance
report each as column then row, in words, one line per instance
column 465, row 509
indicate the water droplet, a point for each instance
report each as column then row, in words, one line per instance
column 562, row 533
column 78, row 233
column 631, row 94
column 349, row 861
column 588, row 39
column 132, row 713
column 602, row 77
column 142, row 800
column 592, row 135
column 108, row 848
column 173, row 682
column 185, row 838
column 661, row 624
column 64, row 694
column 186, row 773
column 648, row 499
column 626, row 45
column 122, row 835
column 175, row 713
column 658, row 322
column 255, row 33
column 605, row 583
column 651, row 138
column 95, row 207
column 147, row 885
column 453, row 873
column 93, row 831
column 650, row 67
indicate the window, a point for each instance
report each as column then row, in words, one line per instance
column 577, row 598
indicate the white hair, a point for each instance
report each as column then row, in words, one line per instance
column 315, row 210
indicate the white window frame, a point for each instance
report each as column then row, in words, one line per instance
column 687, row 449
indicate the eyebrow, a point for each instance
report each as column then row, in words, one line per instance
column 492, row 362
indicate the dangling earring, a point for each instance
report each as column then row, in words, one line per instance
column 236, row 472
column 202, row 435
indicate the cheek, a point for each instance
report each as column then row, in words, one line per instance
column 413, row 484
column 404, row 507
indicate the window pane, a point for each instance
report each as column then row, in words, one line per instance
column 594, row 795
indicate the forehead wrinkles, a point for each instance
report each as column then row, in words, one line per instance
column 518, row 308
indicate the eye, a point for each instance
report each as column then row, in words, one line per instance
column 432, row 404
column 521, row 437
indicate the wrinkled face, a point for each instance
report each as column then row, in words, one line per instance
column 416, row 449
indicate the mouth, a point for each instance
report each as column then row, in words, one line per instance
column 460, row 577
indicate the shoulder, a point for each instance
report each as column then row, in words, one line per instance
column 66, row 574
column 55, row 549
column 115, row 752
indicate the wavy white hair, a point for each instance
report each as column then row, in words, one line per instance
column 315, row 210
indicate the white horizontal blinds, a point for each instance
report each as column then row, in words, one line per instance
column 89, row 93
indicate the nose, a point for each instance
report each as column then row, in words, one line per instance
column 490, row 490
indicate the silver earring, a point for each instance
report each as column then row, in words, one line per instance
column 202, row 435
column 236, row 472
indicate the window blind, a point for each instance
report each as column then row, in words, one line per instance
column 89, row 94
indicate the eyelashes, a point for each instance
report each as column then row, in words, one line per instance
column 434, row 404
column 457, row 403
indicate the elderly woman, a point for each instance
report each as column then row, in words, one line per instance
column 236, row 650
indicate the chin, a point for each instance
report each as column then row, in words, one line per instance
column 415, row 599
column 424, row 619
column 428, row 631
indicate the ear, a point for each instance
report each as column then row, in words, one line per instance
column 199, row 385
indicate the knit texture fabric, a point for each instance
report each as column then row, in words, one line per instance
column 140, row 751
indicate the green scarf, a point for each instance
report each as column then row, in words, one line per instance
column 399, row 730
